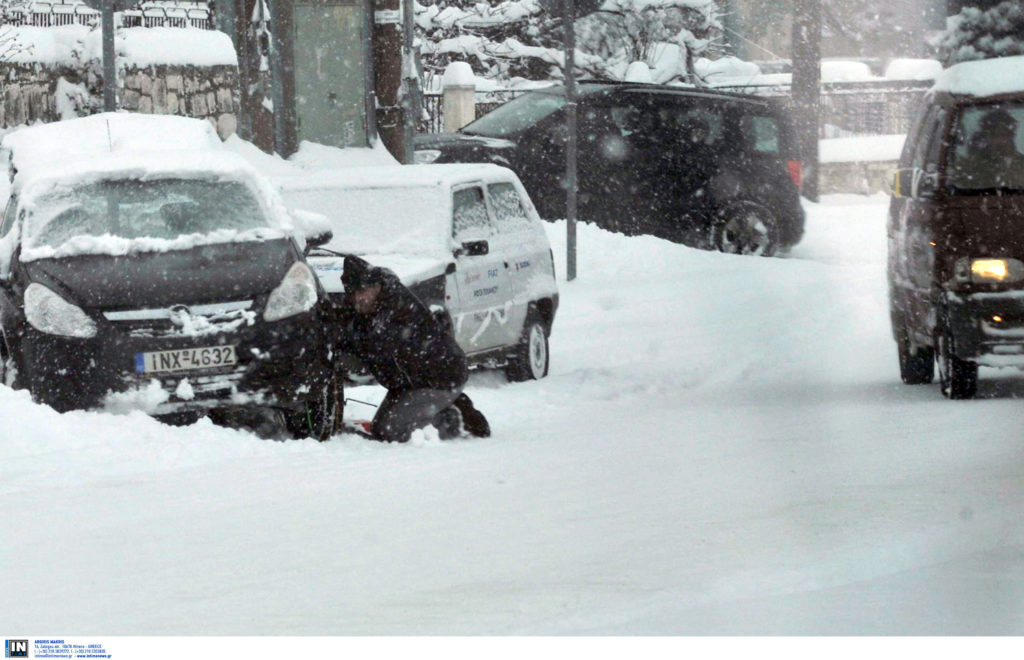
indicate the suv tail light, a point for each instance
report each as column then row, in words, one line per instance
column 796, row 172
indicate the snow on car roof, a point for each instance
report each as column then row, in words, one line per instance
column 1003, row 75
column 401, row 209
column 109, row 132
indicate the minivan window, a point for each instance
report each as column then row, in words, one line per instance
column 515, row 116
column 988, row 148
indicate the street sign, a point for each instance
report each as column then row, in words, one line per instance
column 115, row 5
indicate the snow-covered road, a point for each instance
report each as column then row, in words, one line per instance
column 723, row 447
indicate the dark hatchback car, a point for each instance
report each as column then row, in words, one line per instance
column 956, row 230
column 175, row 274
column 711, row 169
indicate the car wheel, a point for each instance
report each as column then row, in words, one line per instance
column 530, row 360
column 745, row 228
column 958, row 378
column 917, row 367
column 319, row 417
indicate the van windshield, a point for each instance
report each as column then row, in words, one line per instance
column 988, row 148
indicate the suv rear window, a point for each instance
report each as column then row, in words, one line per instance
column 988, row 148
column 761, row 134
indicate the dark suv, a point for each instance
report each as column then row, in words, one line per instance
column 706, row 168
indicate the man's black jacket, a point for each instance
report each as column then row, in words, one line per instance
column 400, row 342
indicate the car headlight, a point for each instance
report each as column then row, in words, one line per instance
column 294, row 295
column 989, row 271
column 48, row 312
column 426, row 156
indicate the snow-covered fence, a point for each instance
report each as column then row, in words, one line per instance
column 433, row 106
column 858, row 108
column 51, row 13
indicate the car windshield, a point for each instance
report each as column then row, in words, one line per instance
column 516, row 115
column 130, row 208
column 988, row 148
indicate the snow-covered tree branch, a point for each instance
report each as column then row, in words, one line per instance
column 519, row 38
column 976, row 34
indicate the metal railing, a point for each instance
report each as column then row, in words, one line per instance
column 847, row 109
column 159, row 13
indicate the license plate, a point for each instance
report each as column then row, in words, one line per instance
column 185, row 359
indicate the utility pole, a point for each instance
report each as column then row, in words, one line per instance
column 387, row 71
column 807, row 88
column 410, row 89
column 571, row 151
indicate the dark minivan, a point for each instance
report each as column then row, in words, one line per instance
column 956, row 229
column 707, row 168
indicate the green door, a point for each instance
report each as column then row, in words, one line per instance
column 330, row 92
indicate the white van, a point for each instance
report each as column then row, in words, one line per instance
column 464, row 238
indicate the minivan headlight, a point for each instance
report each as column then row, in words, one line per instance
column 426, row 156
column 294, row 295
column 989, row 271
column 48, row 312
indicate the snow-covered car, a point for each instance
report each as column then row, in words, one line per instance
column 174, row 275
column 465, row 238
column 708, row 168
column 956, row 229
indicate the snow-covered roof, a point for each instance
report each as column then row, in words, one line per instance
column 981, row 78
column 109, row 132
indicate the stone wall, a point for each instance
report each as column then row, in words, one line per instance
column 45, row 92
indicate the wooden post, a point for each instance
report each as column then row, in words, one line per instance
column 387, row 70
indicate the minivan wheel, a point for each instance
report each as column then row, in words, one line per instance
column 958, row 378
column 917, row 367
column 745, row 228
column 530, row 360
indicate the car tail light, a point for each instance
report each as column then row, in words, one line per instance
column 796, row 172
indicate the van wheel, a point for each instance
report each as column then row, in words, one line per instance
column 530, row 360
column 745, row 228
column 958, row 378
column 916, row 367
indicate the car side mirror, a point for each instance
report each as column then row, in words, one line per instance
column 474, row 249
column 915, row 183
column 316, row 240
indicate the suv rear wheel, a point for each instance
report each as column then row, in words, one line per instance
column 745, row 228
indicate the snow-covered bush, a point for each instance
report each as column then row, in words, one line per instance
column 976, row 34
column 503, row 39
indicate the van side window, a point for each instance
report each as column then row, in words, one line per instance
column 907, row 155
column 929, row 130
column 470, row 219
column 508, row 208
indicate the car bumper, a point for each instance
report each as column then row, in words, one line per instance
column 279, row 364
column 988, row 328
